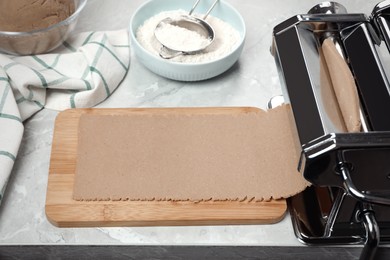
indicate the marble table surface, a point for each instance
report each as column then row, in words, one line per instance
column 252, row 81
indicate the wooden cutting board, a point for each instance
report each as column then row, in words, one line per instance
column 63, row 211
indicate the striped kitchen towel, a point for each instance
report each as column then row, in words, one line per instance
column 83, row 72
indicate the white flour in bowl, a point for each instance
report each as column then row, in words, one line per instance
column 226, row 38
column 179, row 38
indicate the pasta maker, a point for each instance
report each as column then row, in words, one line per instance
column 348, row 201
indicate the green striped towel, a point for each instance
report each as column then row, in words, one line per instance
column 83, row 72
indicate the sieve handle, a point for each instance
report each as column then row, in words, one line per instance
column 208, row 11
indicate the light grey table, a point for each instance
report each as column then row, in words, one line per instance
column 250, row 82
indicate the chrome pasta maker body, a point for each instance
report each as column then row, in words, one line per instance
column 349, row 199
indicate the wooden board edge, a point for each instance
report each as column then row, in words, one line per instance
column 197, row 216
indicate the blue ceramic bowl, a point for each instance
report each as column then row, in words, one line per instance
column 186, row 71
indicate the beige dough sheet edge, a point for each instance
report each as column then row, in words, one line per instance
column 63, row 211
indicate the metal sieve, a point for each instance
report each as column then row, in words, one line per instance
column 188, row 22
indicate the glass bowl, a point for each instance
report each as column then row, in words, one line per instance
column 41, row 40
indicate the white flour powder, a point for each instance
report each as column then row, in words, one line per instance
column 179, row 38
column 226, row 38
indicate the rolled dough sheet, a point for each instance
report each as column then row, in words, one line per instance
column 187, row 156
column 344, row 86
